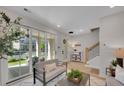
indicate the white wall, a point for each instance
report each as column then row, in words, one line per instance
column 95, row 62
column 112, row 35
column 85, row 40
column 60, row 46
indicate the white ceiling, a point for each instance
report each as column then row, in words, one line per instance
column 70, row 18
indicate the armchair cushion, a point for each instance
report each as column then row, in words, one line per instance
column 50, row 67
column 47, row 70
column 54, row 73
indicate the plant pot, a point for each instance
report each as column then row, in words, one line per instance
column 112, row 71
column 75, row 80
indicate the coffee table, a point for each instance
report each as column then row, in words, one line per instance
column 66, row 82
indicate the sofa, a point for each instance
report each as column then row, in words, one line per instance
column 46, row 71
column 111, row 81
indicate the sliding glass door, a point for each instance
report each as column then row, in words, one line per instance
column 18, row 61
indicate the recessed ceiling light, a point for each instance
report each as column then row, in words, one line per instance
column 112, row 6
column 26, row 10
column 81, row 30
column 58, row 26
column 71, row 32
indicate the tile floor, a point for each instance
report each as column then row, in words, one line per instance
column 29, row 81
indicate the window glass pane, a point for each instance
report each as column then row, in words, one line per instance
column 50, row 46
column 34, row 43
column 18, row 60
column 42, row 45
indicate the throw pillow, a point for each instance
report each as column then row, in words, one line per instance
column 119, row 74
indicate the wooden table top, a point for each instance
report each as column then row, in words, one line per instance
column 86, row 69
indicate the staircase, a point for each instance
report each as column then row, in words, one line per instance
column 91, row 56
column 95, row 62
column 91, row 52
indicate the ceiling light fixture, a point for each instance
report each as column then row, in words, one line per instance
column 58, row 26
column 70, row 32
column 26, row 10
column 112, row 6
column 81, row 30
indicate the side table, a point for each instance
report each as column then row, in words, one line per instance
column 110, row 71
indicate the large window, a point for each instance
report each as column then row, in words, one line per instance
column 38, row 44
column 18, row 61
column 34, row 43
column 43, row 45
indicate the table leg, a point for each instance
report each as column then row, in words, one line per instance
column 89, row 80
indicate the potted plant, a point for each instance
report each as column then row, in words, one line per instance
column 112, row 67
column 113, row 64
column 74, row 76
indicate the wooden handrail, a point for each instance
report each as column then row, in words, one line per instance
column 93, row 46
column 87, row 50
column 85, row 56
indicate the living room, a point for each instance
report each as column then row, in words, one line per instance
column 63, row 35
